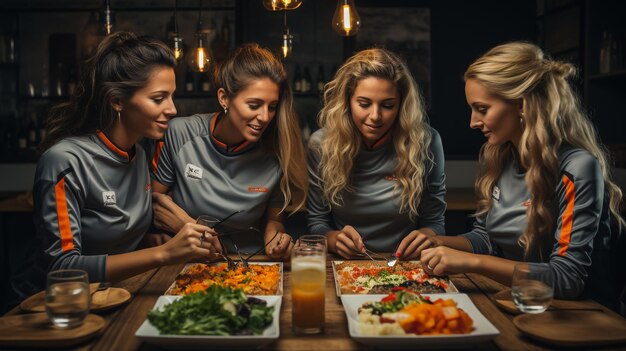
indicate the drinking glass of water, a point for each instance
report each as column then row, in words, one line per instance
column 67, row 297
column 532, row 287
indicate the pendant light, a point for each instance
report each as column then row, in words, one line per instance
column 279, row 5
column 200, row 56
column 176, row 41
column 108, row 18
column 287, row 46
column 346, row 21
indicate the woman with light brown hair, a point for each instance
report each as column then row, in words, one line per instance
column 249, row 157
column 375, row 166
column 545, row 192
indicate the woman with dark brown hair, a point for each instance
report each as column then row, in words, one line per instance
column 92, row 185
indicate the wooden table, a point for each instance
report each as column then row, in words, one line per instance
column 119, row 333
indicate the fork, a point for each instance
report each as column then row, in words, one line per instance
column 225, row 218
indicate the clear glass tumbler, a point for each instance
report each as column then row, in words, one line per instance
column 67, row 297
column 532, row 287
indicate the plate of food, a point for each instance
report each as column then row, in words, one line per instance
column 406, row 319
column 367, row 277
column 261, row 278
column 216, row 318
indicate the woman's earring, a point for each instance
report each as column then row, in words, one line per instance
column 521, row 119
column 119, row 116
column 225, row 110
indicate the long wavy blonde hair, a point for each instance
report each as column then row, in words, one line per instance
column 411, row 133
column 251, row 62
column 552, row 117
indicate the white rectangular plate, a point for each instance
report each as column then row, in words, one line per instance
column 148, row 333
column 280, row 269
column 483, row 329
column 451, row 288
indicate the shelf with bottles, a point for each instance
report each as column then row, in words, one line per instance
column 22, row 134
column 303, row 84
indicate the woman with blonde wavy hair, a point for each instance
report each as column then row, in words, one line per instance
column 375, row 166
column 248, row 157
column 545, row 193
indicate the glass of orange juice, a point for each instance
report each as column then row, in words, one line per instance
column 308, row 284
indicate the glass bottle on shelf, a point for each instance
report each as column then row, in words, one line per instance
column 59, row 80
column 45, row 83
column 297, row 80
column 22, row 136
column 205, row 83
column 10, row 136
column 307, row 82
column 605, row 53
column 616, row 55
column 71, row 84
column 43, row 131
column 33, row 132
column 321, row 80
column 189, row 83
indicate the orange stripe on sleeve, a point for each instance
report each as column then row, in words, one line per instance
column 157, row 154
column 568, row 217
column 67, row 242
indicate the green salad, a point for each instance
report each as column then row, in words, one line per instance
column 216, row 311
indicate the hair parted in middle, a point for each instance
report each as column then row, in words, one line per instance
column 249, row 63
column 411, row 132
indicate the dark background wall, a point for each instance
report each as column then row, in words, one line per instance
column 460, row 32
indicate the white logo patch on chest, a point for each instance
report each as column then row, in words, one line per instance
column 193, row 172
column 495, row 194
column 108, row 198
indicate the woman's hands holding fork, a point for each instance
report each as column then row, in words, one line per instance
column 280, row 246
column 346, row 242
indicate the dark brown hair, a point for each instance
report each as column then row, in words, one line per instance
column 122, row 64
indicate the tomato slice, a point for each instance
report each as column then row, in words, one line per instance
column 389, row 298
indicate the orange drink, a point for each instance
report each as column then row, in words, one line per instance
column 308, row 285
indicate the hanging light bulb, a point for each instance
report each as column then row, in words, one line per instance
column 278, row 5
column 108, row 19
column 287, row 46
column 200, row 56
column 178, row 47
column 346, row 21
column 287, row 42
column 176, row 41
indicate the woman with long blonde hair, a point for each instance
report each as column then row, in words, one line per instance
column 544, row 191
column 249, row 157
column 375, row 166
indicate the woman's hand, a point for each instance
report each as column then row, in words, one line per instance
column 167, row 214
column 154, row 239
column 349, row 243
column 444, row 261
column 414, row 243
column 280, row 248
column 192, row 241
